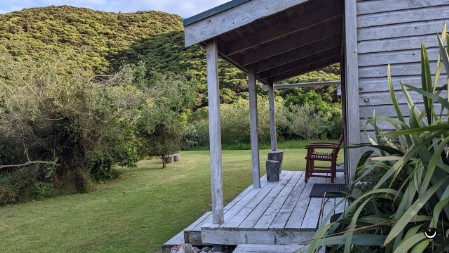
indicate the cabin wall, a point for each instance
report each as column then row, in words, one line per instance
column 391, row 32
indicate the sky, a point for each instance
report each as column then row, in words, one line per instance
column 184, row 8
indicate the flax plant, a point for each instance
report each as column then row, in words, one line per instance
column 410, row 193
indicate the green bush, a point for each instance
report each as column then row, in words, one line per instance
column 310, row 122
column 62, row 129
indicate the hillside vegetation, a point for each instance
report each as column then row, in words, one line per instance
column 102, row 42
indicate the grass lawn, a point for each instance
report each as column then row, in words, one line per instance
column 135, row 213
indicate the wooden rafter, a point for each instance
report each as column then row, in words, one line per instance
column 328, row 28
column 300, row 53
column 309, row 17
column 304, row 69
column 307, row 61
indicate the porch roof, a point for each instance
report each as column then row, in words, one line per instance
column 275, row 39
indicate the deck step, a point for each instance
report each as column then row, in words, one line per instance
column 176, row 240
column 263, row 248
column 236, row 236
column 190, row 235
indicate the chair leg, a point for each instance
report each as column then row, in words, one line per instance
column 306, row 178
column 333, row 171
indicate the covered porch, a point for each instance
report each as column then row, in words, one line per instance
column 272, row 41
column 278, row 213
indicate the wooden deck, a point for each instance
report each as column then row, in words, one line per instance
column 278, row 213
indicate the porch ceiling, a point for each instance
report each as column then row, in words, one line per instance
column 290, row 42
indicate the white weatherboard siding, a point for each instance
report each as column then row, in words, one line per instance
column 391, row 32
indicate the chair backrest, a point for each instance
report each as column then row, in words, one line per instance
column 339, row 143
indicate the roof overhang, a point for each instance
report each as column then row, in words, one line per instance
column 276, row 39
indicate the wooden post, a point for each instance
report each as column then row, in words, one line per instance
column 254, row 129
column 215, row 132
column 352, row 135
column 273, row 138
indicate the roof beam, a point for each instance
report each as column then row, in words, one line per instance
column 305, row 69
column 283, row 86
column 300, row 53
column 233, row 18
column 301, row 62
column 312, row 16
column 327, row 28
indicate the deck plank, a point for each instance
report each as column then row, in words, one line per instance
column 312, row 215
column 176, row 240
column 297, row 215
column 253, row 217
column 329, row 204
column 286, row 210
column 249, row 206
column 278, row 202
column 195, row 225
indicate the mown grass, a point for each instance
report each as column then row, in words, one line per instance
column 135, row 213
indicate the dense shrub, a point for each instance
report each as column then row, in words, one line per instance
column 60, row 131
column 235, row 127
column 311, row 122
column 314, row 119
column 161, row 124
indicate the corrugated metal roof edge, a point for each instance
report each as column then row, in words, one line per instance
column 221, row 8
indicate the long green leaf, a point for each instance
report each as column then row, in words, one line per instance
column 393, row 96
column 393, row 121
column 318, row 239
column 439, row 65
column 437, row 210
column 413, row 211
column 390, row 150
column 443, row 53
column 406, row 245
column 352, row 225
column 358, row 239
column 434, row 97
column 436, row 157
column 426, row 82
column 421, row 246
column 412, row 231
column 431, row 128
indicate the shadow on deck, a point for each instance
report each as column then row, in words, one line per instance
column 278, row 213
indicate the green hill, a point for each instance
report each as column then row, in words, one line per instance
column 101, row 42
column 95, row 40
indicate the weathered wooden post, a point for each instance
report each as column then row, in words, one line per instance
column 352, row 131
column 254, row 128
column 273, row 138
column 214, row 132
column 275, row 157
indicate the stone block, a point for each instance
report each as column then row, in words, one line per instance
column 168, row 159
column 276, row 156
column 273, row 170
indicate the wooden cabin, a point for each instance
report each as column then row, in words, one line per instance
column 275, row 40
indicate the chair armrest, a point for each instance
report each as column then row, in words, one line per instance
column 322, row 145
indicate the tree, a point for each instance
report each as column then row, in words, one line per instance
column 160, row 126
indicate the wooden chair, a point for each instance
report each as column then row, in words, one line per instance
column 322, row 151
